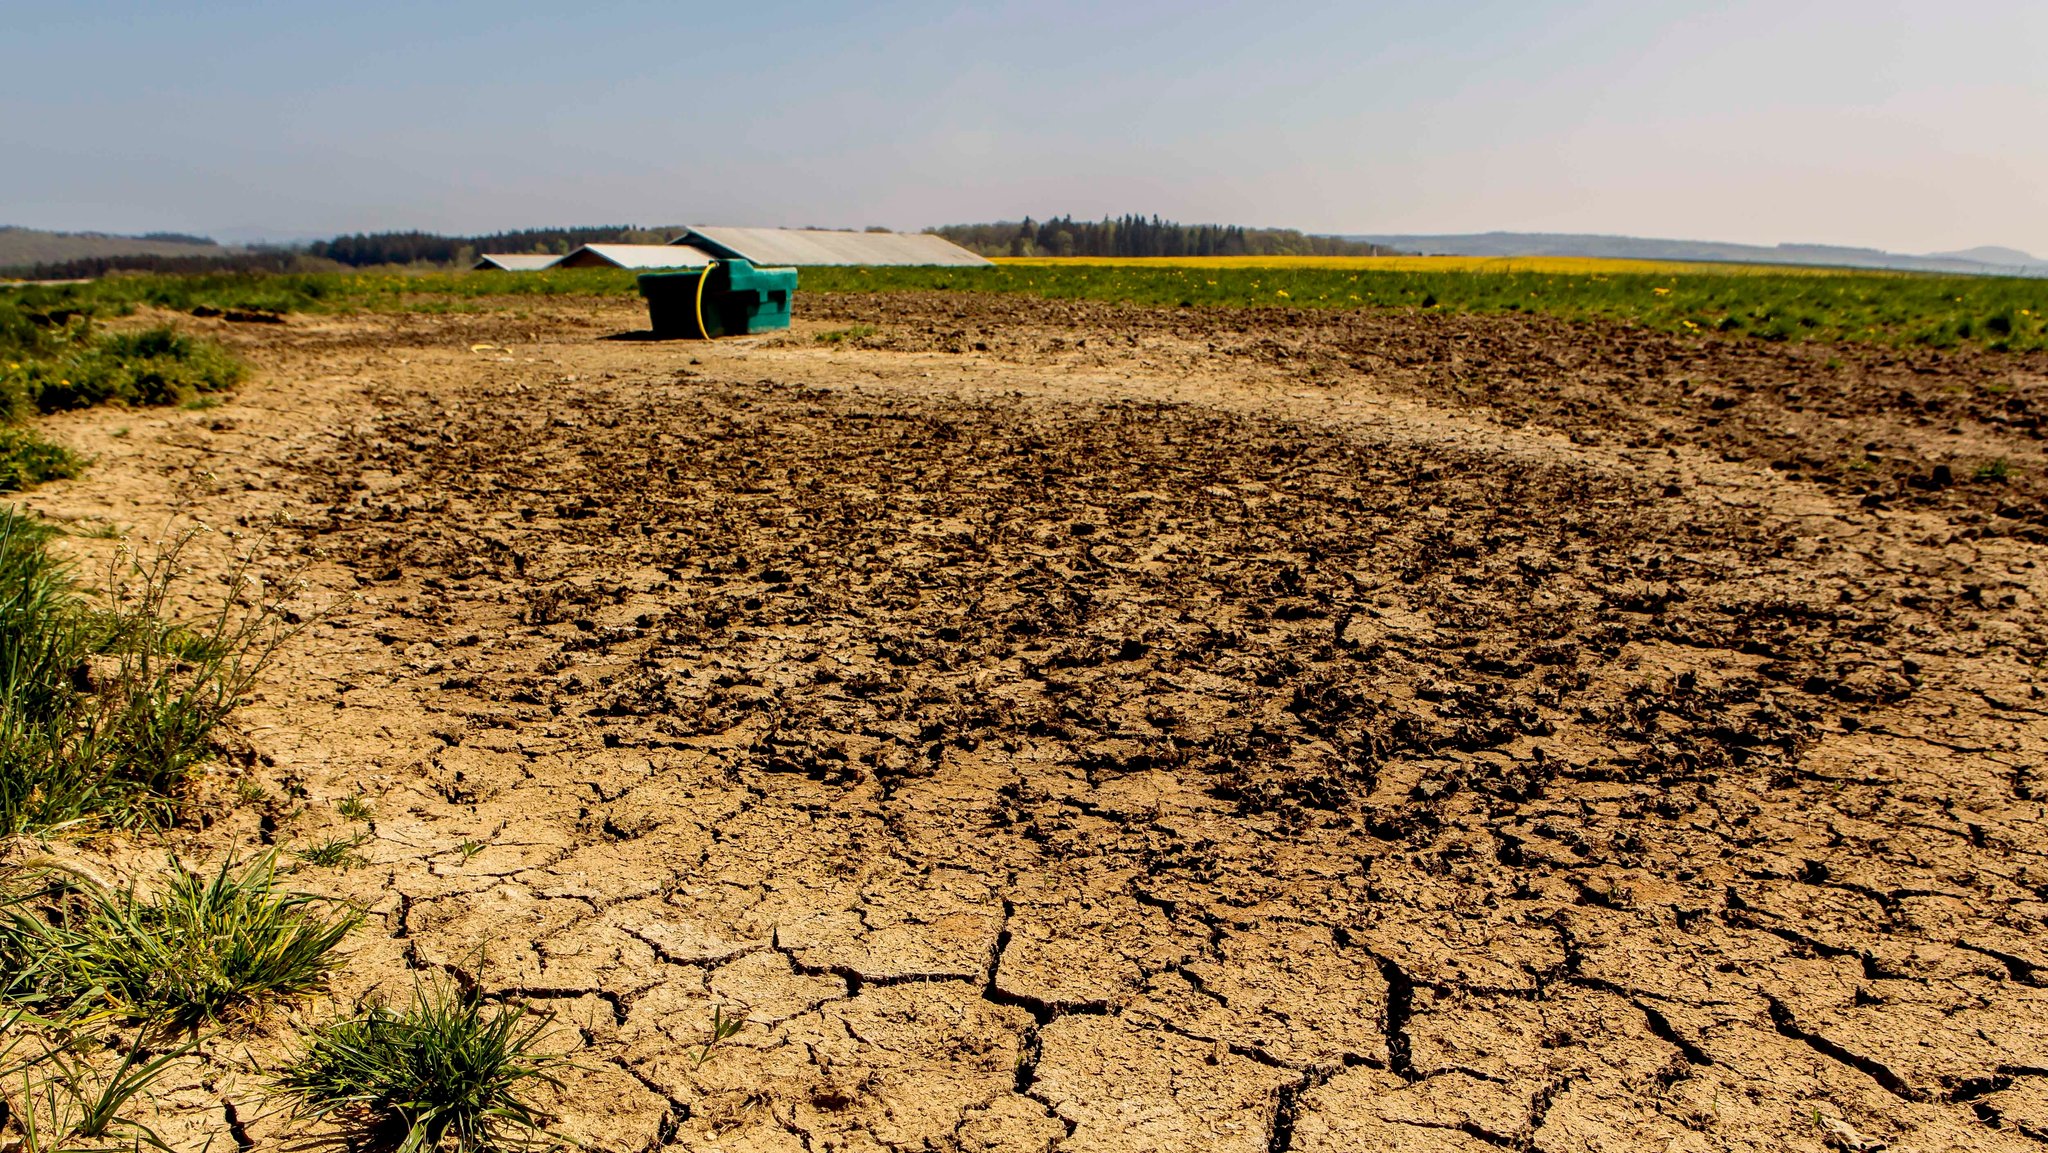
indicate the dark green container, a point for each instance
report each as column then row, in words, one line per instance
column 738, row 299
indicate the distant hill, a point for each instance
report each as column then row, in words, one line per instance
column 23, row 247
column 1993, row 254
column 1987, row 261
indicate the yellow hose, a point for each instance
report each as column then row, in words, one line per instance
column 701, row 278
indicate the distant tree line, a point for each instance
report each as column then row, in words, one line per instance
column 91, row 267
column 362, row 249
column 179, row 238
column 1139, row 236
column 358, row 250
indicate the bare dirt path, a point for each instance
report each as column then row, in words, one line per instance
column 1071, row 727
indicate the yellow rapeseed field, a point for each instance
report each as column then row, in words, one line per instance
column 1567, row 265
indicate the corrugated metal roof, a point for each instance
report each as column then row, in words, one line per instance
column 517, row 261
column 800, row 246
column 636, row 256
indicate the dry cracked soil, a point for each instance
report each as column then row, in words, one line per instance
column 1090, row 728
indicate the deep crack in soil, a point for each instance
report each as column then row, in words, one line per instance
column 1153, row 730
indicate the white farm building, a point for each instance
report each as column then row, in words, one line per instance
column 762, row 247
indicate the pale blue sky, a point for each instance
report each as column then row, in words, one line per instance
column 1912, row 126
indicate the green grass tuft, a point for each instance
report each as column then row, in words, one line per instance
column 200, row 948
column 157, row 366
column 1993, row 471
column 338, row 851
column 440, row 1072
column 107, row 704
column 60, row 1100
column 57, row 1089
column 27, row 459
column 52, row 358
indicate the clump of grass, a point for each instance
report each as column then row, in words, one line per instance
column 337, row 851
column 840, row 335
column 76, row 369
column 60, row 1100
column 1993, row 471
column 107, row 703
column 355, row 808
column 52, row 358
column 441, row 1072
column 54, row 1086
column 97, row 530
column 27, row 459
column 200, row 948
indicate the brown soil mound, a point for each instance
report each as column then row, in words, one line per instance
column 1087, row 728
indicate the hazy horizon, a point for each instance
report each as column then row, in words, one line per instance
column 1885, row 125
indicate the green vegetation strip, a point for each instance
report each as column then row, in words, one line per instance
column 1997, row 313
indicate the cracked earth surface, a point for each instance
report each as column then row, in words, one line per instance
column 1090, row 728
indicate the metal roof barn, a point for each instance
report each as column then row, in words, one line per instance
column 516, row 261
column 636, row 256
column 796, row 247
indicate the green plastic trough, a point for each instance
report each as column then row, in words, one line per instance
column 736, row 299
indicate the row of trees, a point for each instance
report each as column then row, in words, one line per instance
column 370, row 248
column 358, row 250
column 92, row 267
column 1139, row 236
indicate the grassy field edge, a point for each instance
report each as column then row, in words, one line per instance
column 1827, row 305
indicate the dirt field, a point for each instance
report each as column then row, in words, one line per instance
column 1086, row 728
